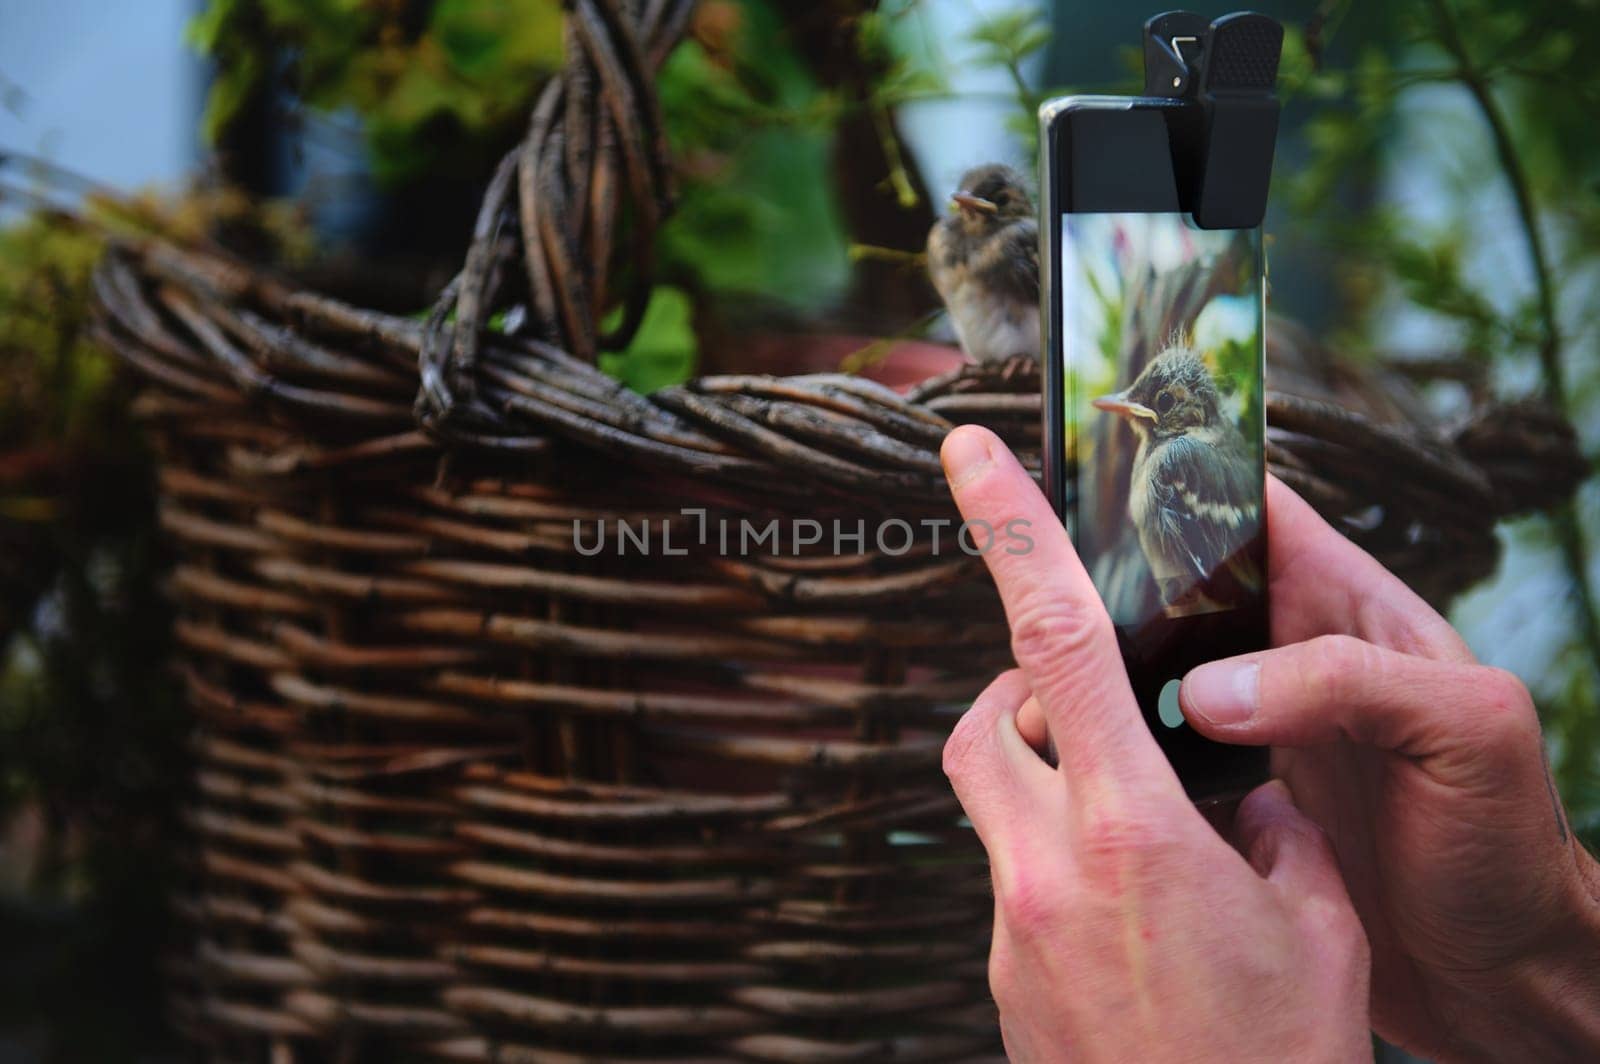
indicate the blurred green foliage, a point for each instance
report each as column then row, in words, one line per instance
column 1495, row 98
column 1008, row 39
column 663, row 350
column 53, row 381
column 92, row 755
column 750, row 130
column 93, row 758
column 437, row 86
column 1237, row 361
column 91, row 737
column 1113, row 308
column 1484, row 108
column 434, row 86
column 757, row 227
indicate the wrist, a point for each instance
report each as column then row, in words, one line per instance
column 1547, row 1004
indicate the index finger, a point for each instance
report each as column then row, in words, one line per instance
column 1061, row 635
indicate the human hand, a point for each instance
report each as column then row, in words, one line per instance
column 1427, row 771
column 1125, row 927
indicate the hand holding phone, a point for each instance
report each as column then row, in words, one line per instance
column 1152, row 310
column 1109, row 885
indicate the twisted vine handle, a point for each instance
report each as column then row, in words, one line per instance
column 582, row 194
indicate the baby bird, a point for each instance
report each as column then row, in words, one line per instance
column 1195, row 490
column 983, row 257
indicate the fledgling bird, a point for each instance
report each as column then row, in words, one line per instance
column 1195, row 490
column 983, row 257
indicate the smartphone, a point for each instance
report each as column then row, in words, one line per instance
column 1154, row 429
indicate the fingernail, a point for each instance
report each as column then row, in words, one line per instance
column 965, row 454
column 1223, row 692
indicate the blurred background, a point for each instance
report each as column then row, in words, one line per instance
column 1436, row 215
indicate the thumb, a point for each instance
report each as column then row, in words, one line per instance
column 1298, row 863
column 1338, row 687
column 1283, row 845
column 1289, row 851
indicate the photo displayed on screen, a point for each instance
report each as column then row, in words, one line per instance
column 1162, row 337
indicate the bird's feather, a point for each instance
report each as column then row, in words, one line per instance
column 1200, row 507
column 1007, row 264
column 993, row 297
column 990, row 329
column 984, row 262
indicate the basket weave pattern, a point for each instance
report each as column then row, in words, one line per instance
column 464, row 790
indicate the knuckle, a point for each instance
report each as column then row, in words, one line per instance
column 1029, row 904
column 1348, row 927
column 1003, row 977
column 1116, row 845
column 961, row 748
column 1503, row 692
column 1050, row 634
column 1333, row 922
column 1507, row 707
column 1335, row 663
column 972, row 732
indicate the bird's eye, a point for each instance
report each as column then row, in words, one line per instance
column 1164, row 402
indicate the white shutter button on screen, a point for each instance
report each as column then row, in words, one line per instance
column 1167, row 705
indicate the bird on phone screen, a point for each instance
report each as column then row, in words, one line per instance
column 983, row 257
column 1195, row 490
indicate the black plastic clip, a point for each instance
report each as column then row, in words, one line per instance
column 1222, row 146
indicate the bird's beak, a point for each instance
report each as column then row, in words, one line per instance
column 968, row 202
column 1119, row 404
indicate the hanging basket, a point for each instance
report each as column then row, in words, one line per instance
column 467, row 789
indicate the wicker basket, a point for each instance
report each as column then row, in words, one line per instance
column 465, row 791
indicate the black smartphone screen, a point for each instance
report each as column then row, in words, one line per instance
column 1155, row 435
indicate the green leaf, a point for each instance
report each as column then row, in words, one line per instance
column 1010, row 36
column 230, row 91
column 485, row 42
column 441, row 94
column 664, row 351
column 206, row 29
column 756, row 215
